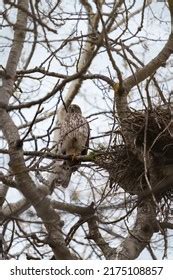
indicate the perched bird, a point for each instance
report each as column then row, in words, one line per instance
column 74, row 133
column 73, row 137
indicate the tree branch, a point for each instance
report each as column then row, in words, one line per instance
column 26, row 185
column 139, row 236
column 149, row 69
column 159, row 61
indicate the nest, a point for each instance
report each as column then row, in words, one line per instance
column 124, row 169
column 155, row 128
column 123, row 165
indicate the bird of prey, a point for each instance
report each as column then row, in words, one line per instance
column 73, row 136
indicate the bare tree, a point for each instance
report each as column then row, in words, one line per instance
column 114, row 59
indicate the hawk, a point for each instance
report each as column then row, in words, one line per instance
column 74, row 136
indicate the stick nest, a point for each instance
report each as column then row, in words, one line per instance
column 123, row 165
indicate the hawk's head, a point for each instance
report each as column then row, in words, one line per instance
column 74, row 109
